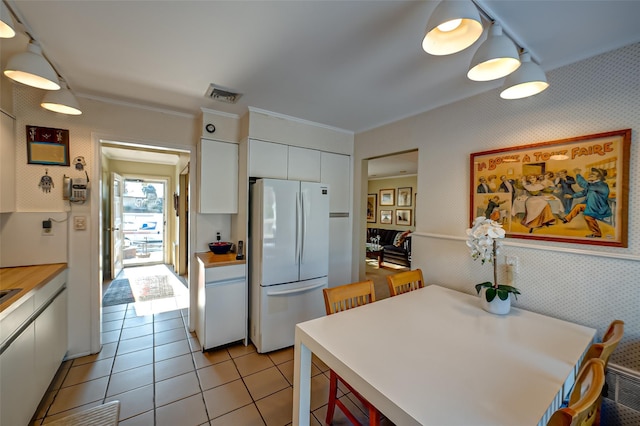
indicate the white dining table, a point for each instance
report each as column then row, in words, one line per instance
column 434, row 357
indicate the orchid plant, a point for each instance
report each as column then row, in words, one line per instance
column 483, row 242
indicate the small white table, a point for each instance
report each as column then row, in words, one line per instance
column 434, row 357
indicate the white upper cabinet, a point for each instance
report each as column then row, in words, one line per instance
column 304, row 164
column 267, row 159
column 335, row 169
column 8, row 160
column 218, row 177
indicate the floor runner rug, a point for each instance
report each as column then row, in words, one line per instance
column 118, row 293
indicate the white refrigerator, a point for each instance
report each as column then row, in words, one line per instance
column 288, row 258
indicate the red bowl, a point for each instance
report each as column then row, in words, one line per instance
column 220, row 247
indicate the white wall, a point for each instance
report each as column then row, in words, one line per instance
column 589, row 285
column 83, row 248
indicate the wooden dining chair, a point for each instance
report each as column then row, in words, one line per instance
column 610, row 340
column 404, row 282
column 584, row 399
column 337, row 299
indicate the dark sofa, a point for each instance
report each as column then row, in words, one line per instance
column 396, row 243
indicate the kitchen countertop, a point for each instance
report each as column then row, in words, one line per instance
column 211, row 260
column 27, row 278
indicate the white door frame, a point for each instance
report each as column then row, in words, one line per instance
column 96, row 266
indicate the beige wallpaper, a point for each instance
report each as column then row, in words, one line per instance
column 375, row 185
column 589, row 285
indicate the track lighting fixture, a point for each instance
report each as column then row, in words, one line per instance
column 62, row 101
column 453, row 26
column 496, row 57
column 7, row 26
column 528, row 80
column 32, row 69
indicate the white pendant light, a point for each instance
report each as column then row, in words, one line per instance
column 495, row 58
column 7, row 26
column 453, row 26
column 62, row 101
column 528, row 80
column 32, row 69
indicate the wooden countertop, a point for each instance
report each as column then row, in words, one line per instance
column 27, row 278
column 210, row 260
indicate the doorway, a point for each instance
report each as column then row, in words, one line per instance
column 141, row 230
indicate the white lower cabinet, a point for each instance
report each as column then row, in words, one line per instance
column 18, row 400
column 34, row 343
column 222, row 305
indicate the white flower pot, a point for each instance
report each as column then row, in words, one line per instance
column 496, row 306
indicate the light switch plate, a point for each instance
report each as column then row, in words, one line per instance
column 80, row 223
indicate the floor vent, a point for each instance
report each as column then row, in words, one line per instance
column 621, row 405
column 218, row 93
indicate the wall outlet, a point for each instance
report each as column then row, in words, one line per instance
column 47, row 228
column 80, row 223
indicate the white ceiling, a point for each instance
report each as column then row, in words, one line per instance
column 353, row 65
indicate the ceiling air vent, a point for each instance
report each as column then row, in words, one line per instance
column 218, row 93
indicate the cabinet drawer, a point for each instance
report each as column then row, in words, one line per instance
column 222, row 273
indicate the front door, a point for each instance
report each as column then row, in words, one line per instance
column 117, row 239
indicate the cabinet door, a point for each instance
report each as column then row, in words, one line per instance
column 50, row 341
column 336, row 171
column 267, row 160
column 8, row 160
column 218, row 177
column 19, row 398
column 304, row 164
column 340, row 251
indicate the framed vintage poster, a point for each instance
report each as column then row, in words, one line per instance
column 403, row 217
column 372, row 206
column 386, row 197
column 572, row 190
column 385, row 217
column 404, row 197
column 47, row 146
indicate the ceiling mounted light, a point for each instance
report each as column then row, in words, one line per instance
column 32, row 69
column 62, row 101
column 528, row 80
column 495, row 58
column 453, row 26
column 7, row 26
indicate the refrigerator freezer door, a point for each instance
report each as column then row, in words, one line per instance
column 281, row 308
column 277, row 202
column 315, row 230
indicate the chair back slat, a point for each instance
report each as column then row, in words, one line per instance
column 348, row 296
column 610, row 341
column 404, row 282
column 585, row 397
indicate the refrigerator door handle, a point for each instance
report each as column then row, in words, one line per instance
column 298, row 228
column 304, row 226
column 296, row 290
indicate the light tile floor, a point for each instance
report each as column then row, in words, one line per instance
column 155, row 367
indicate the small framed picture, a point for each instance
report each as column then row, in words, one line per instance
column 404, row 197
column 372, row 205
column 385, row 216
column 386, row 197
column 403, row 217
column 47, row 146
